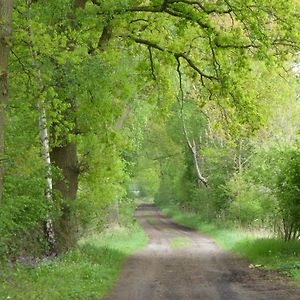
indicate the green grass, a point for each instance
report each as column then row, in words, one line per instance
column 87, row 272
column 180, row 242
column 271, row 253
column 153, row 221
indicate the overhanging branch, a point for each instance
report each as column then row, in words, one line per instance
column 177, row 56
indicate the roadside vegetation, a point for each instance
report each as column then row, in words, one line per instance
column 86, row 272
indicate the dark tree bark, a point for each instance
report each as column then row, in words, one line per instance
column 79, row 3
column 6, row 7
column 65, row 158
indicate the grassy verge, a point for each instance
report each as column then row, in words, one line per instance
column 271, row 253
column 87, row 272
column 180, row 243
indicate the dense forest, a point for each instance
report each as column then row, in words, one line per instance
column 194, row 104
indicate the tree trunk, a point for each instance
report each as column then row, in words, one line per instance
column 127, row 110
column 193, row 148
column 191, row 145
column 44, row 137
column 194, row 151
column 65, row 158
column 6, row 8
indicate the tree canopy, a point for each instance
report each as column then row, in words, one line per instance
column 175, row 97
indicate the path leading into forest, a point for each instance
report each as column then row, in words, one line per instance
column 198, row 269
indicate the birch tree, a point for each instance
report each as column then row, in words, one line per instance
column 44, row 136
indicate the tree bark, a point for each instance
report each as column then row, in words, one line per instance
column 195, row 153
column 193, row 148
column 6, row 8
column 44, row 137
column 126, row 112
column 65, row 158
column 79, row 3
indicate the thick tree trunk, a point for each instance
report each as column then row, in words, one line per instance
column 65, row 158
column 6, row 8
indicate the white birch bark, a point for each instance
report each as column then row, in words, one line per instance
column 127, row 110
column 44, row 137
column 193, row 148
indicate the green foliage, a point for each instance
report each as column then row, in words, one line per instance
column 147, row 180
column 252, row 203
column 108, row 75
column 86, row 272
column 288, row 189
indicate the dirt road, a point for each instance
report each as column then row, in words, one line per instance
column 181, row 264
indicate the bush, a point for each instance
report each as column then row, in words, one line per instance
column 288, row 193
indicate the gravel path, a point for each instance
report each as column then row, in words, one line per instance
column 182, row 264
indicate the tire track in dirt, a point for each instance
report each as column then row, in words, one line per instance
column 199, row 270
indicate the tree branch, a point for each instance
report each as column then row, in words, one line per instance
column 152, row 63
column 177, row 55
column 202, row 7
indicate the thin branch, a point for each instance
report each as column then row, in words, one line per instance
column 202, row 7
column 177, row 55
column 144, row 42
column 235, row 46
column 180, row 79
column 215, row 61
column 21, row 64
column 152, row 63
column 187, row 17
column 194, row 66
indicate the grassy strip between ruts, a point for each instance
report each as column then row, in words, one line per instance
column 87, row 272
column 271, row 253
column 180, row 242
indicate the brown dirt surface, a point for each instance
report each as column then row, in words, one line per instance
column 197, row 270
